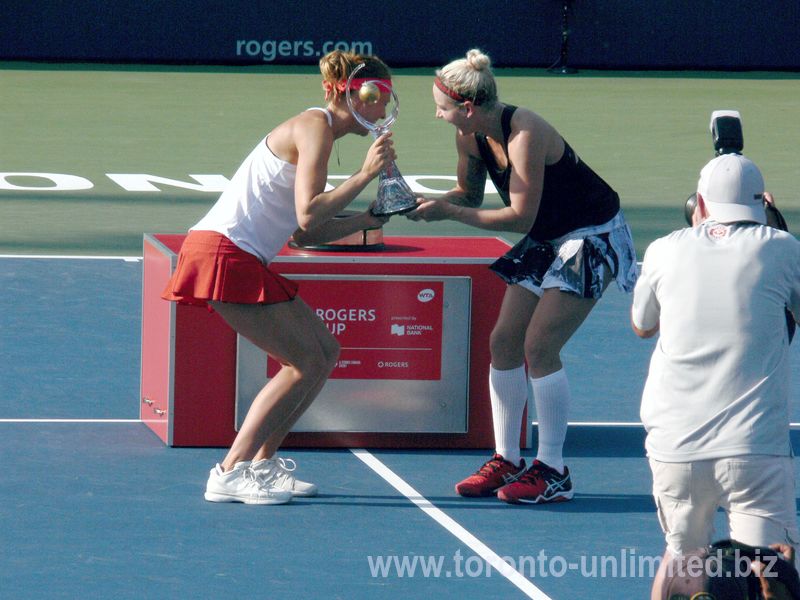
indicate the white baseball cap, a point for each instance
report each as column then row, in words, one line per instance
column 733, row 189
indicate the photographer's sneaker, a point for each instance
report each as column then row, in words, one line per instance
column 538, row 485
column 279, row 472
column 241, row 484
column 493, row 474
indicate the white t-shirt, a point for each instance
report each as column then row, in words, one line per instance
column 718, row 383
column 257, row 211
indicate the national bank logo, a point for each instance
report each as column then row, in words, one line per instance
column 411, row 330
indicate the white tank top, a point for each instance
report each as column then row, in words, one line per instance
column 257, row 211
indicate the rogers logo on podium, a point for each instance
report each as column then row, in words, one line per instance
column 392, row 364
column 426, row 295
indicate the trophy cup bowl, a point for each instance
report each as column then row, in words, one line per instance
column 394, row 194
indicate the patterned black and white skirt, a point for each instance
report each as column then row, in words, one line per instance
column 576, row 262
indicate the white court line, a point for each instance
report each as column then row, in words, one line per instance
column 477, row 546
column 600, row 423
column 71, row 421
column 76, row 257
column 571, row 423
column 625, row 424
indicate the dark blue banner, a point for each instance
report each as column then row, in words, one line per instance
column 621, row 34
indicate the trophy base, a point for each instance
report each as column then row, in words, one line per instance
column 365, row 240
column 339, row 247
column 394, row 195
column 389, row 211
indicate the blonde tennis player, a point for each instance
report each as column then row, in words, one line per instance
column 576, row 242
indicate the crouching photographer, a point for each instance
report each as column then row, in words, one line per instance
column 716, row 401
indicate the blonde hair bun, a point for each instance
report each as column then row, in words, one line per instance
column 471, row 78
column 478, row 60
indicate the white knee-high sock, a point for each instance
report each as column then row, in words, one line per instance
column 551, row 397
column 508, row 391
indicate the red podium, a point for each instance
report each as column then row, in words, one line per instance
column 413, row 320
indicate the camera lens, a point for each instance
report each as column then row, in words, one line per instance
column 688, row 209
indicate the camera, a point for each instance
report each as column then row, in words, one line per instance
column 726, row 134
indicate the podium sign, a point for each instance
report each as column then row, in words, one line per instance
column 403, row 365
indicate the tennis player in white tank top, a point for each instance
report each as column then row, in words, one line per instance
column 279, row 192
column 257, row 209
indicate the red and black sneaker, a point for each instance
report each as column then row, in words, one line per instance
column 494, row 474
column 538, row 485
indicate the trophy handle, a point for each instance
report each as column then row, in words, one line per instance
column 377, row 130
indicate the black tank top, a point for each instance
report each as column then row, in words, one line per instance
column 573, row 196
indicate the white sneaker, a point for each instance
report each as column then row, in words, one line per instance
column 241, row 484
column 279, row 472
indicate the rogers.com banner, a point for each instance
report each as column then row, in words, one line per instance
column 298, row 33
column 387, row 329
column 270, row 31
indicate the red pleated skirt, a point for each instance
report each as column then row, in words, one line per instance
column 211, row 267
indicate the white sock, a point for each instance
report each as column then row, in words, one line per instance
column 551, row 397
column 508, row 391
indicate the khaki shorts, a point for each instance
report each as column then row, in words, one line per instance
column 756, row 492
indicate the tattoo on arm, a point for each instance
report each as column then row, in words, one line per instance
column 474, row 180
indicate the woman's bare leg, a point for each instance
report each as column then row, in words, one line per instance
column 507, row 340
column 290, row 332
column 557, row 317
column 330, row 348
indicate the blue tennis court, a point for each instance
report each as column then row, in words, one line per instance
column 93, row 504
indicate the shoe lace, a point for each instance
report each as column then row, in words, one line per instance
column 252, row 478
column 279, row 473
column 284, row 476
column 490, row 466
column 532, row 475
column 262, row 481
column 287, row 464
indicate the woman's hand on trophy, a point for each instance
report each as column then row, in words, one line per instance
column 379, row 156
column 430, row 209
column 373, row 221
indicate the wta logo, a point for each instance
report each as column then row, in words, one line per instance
column 426, row 295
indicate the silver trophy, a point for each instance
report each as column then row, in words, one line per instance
column 394, row 194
